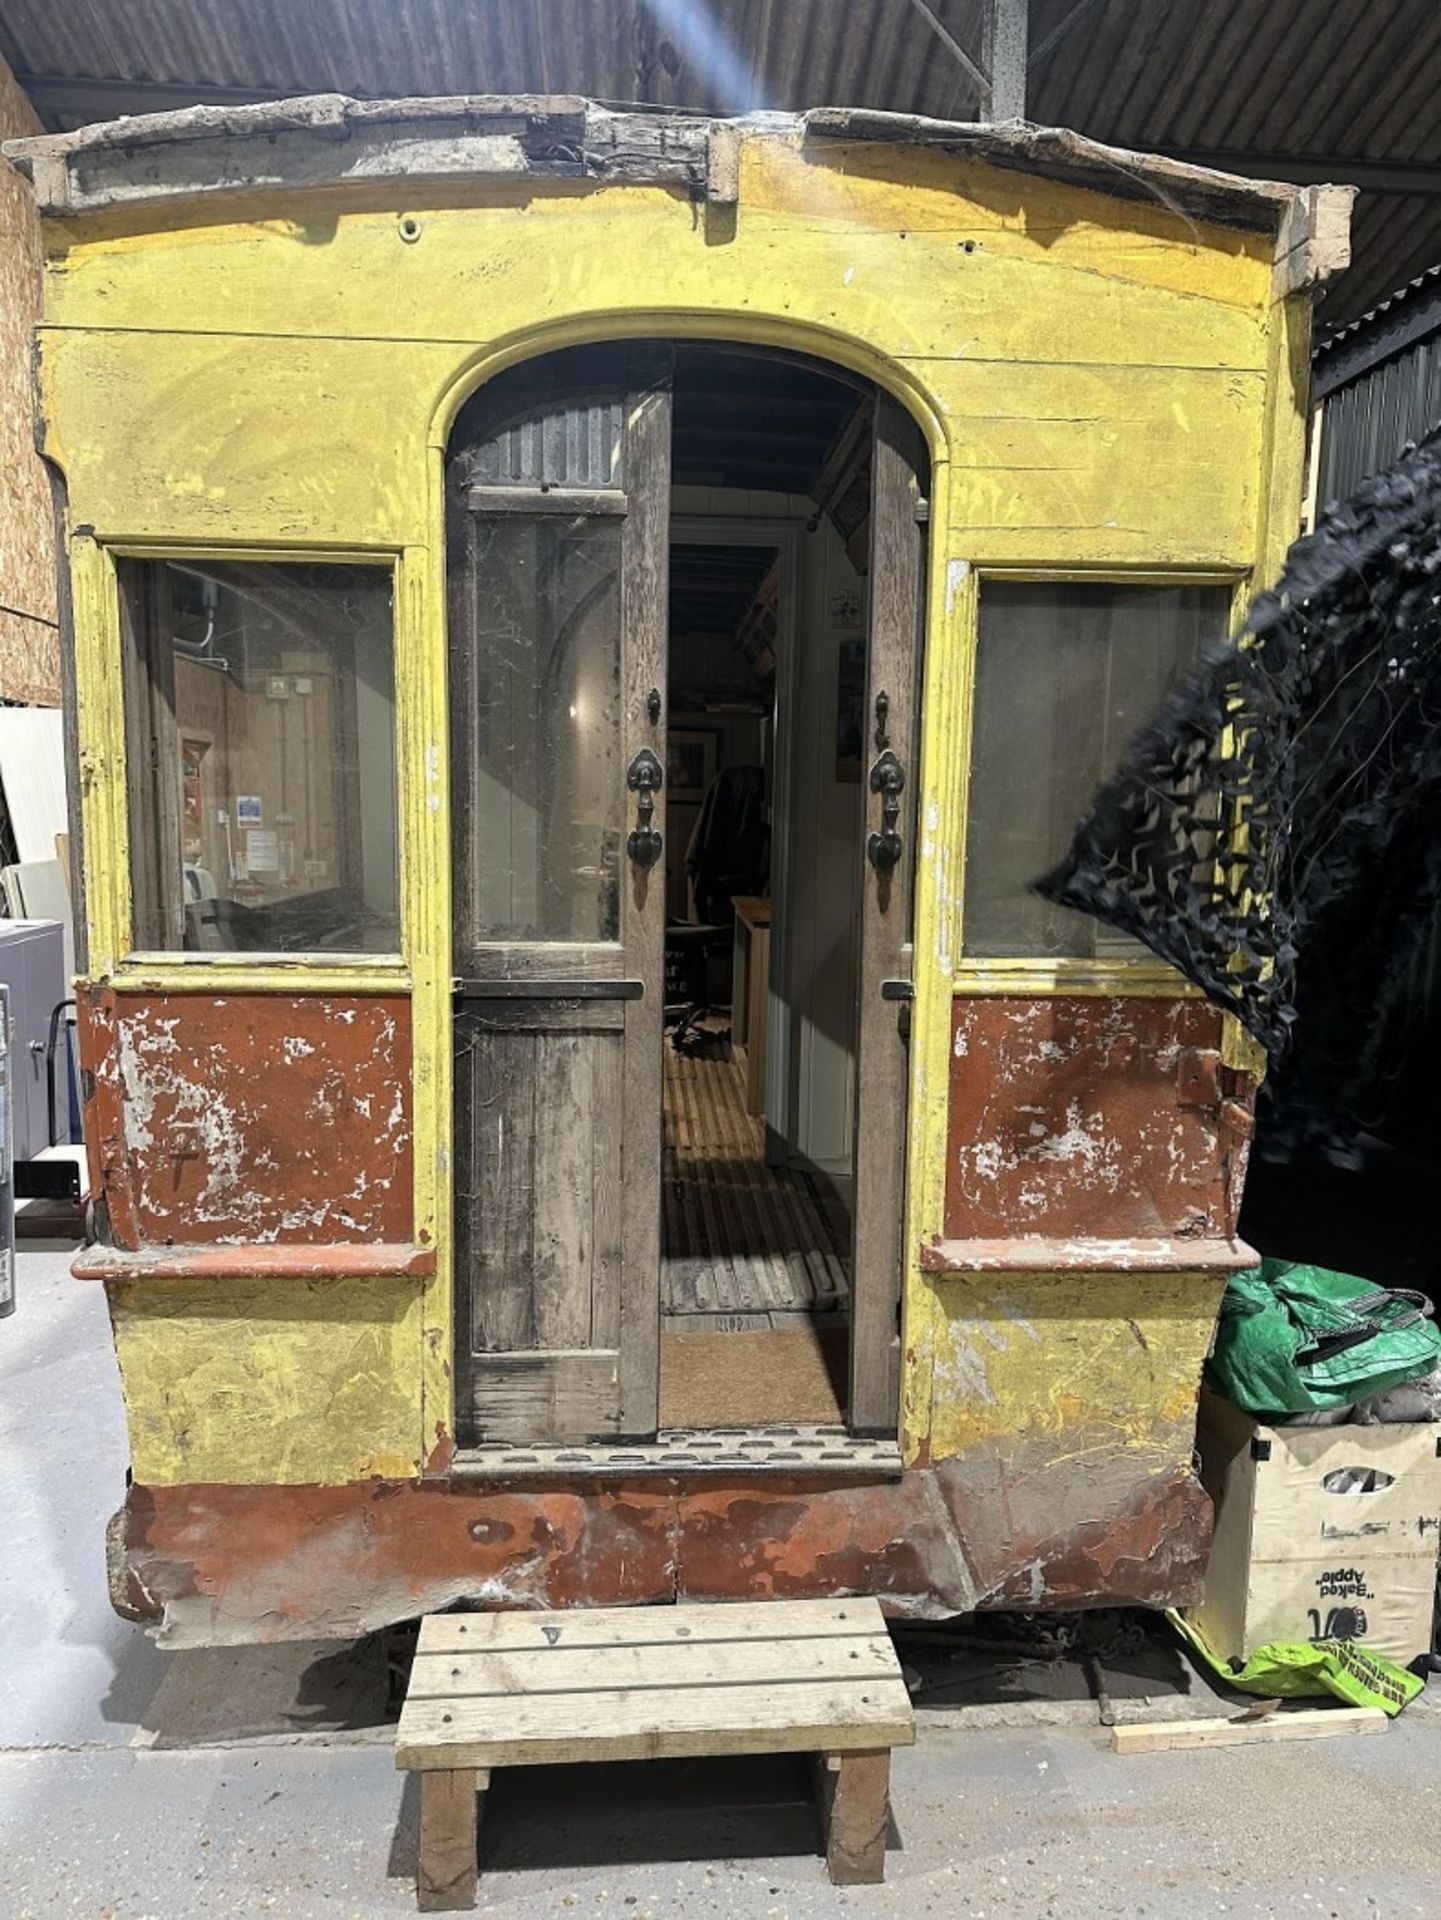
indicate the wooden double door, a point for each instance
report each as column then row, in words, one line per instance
column 558, row 503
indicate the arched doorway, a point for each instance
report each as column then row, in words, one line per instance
column 684, row 592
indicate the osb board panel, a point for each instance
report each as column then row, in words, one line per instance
column 249, row 1117
column 313, row 1381
column 29, row 644
column 1067, row 1118
column 29, row 648
column 209, row 1565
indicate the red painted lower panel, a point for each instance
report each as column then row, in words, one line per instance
column 209, row 1565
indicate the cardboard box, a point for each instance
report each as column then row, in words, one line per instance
column 1296, row 1559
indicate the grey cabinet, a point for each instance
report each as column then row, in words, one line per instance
column 32, row 967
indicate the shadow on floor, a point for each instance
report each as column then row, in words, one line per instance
column 214, row 1694
column 636, row 1813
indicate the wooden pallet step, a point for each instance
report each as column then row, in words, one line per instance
column 533, row 1689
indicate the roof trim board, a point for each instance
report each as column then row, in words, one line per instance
column 325, row 139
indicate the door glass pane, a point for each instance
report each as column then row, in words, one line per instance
column 1066, row 676
column 549, row 794
column 260, row 713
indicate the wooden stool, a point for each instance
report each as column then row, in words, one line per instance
column 652, row 1683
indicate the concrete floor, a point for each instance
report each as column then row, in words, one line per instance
column 140, row 1785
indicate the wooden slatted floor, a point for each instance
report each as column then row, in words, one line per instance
column 739, row 1238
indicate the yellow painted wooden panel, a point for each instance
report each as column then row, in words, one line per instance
column 925, row 269
column 204, row 437
column 1091, row 465
column 276, row 1382
column 862, row 185
column 478, row 275
column 1113, row 1359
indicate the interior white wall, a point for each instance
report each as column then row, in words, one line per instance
column 810, row 1076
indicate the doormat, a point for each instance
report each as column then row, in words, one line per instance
column 787, row 1375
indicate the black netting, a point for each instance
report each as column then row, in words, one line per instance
column 1313, row 741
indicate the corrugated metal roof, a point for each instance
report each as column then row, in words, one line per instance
column 1245, row 84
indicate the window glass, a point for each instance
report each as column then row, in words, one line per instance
column 1066, row 676
column 260, row 714
column 549, row 792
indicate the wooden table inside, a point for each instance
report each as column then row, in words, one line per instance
column 750, row 991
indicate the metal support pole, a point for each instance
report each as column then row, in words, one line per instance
column 1005, row 31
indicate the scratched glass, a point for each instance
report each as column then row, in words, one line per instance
column 549, row 791
column 260, row 717
column 1066, row 676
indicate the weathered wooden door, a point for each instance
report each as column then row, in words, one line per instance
column 895, row 583
column 558, row 493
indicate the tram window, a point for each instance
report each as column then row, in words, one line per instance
column 260, row 737
column 1067, row 673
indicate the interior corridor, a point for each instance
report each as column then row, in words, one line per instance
column 745, row 1246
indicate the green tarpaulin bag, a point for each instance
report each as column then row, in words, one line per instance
column 1298, row 1339
column 1287, row 1670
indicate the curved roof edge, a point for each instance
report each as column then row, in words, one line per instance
column 329, row 138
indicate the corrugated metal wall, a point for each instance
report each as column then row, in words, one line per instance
column 1367, row 416
column 1365, row 424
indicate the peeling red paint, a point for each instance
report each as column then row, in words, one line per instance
column 1076, row 1116
column 237, row 1564
column 248, row 1117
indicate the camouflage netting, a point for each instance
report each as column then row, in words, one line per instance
column 1316, row 733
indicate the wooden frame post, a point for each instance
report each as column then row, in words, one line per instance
column 445, row 1868
column 856, row 1803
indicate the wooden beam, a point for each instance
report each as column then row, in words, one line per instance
column 1316, row 1723
column 446, row 1862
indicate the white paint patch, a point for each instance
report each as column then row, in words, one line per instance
column 962, row 1377
column 957, row 573
column 848, row 276
column 296, row 1047
column 1074, row 1144
column 987, row 1159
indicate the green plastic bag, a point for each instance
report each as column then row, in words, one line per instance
column 1298, row 1339
column 1286, row 1670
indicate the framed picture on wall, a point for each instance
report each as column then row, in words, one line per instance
column 690, row 762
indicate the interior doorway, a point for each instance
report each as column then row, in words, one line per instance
column 685, row 590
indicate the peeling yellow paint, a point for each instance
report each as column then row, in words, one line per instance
column 1103, row 1360
column 1105, row 391
column 293, row 1383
